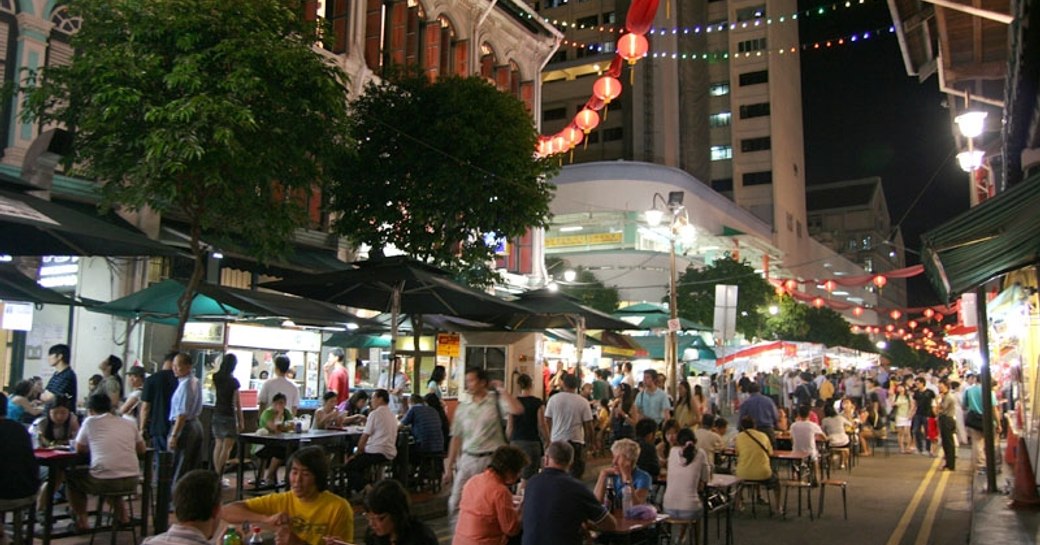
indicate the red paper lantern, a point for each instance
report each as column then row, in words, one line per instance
column 880, row 281
column 928, row 313
column 818, row 302
column 890, row 328
column 830, row 286
column 902, row 331
column 857, row 311
column 573, row 135
column 938, row 317
column 632, row 47
column 559, row 144
column 895, row 314
column 912, row 324
column 780, row 291
column 855, row 329
column 586, row 120
column 606, row 89
column 791, row 285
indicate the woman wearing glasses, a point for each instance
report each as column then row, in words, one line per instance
column 390, row 520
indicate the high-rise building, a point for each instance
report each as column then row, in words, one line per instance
column 718, row 96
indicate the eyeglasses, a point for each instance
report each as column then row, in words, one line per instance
column 379, row 517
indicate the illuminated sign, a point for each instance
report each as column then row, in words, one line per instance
column 16, row 316
column 590, row 239
column 59, row 271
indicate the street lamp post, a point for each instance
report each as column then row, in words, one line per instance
column 679, row 224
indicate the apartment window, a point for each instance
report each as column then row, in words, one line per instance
column 868, row 264
column 609, row 18
column 747, row 46
column 554, row 114
column 755, row 144
column 720, row 89
column 554, row 3
column 589, row 21
column 854, row 245
column 721, row 119
column 867, row 242
column 725, row 184
column 753, row 12
column 721, row 153
column 754, row 78
column 593, row 137
column 758, row 178
column 747, row 111
column 615, row 133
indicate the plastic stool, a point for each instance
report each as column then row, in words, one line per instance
column 23, row 510
column 799, row 486
column 116, row 525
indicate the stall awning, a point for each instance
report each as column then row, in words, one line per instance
column 352, row 340
column 654, row 346
column 15, row 286
column 996, row 237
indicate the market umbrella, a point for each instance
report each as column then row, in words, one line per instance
column 158, row 303
column 649, row 316
column 398, row 285
column 34, row 226
column 15, row 286
column 552, row 309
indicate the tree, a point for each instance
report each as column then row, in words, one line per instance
column 796, row 321
column 586, row 287
column 696, row 293
column 444, row 170
column 218, row 112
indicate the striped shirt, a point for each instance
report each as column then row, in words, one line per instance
column 178, row 534
column 478, row 424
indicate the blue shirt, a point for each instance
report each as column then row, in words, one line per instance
column 653, row 405
column 15, row 412
column 187, row 399
column 640, row 480
column 973, row 398
column 426, row 428
column 761, row 409
column 63, row 383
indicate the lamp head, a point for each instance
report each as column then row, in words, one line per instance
column 971, row 123
column 675, row 198
column 654, row 217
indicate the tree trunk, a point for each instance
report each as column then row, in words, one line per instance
column 197, row 272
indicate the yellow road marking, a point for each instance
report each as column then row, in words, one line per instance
column 929, row 518
column 904, row 522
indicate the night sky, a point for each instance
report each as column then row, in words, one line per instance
column 864, row 116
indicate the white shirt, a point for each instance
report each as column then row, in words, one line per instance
column 113, row 446
column 381, row 429
column 280, row 385
column 803, row 437
column 683, row 481
column 568, row 412
column 710, row 442
column 400, row 381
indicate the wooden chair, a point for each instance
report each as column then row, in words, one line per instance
column 844, row 500
column 23, row 511
column 116, row 526
column 756, row 488
column 799, row 487
column 688, row 531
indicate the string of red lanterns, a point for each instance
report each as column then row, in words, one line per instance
column 631, row 46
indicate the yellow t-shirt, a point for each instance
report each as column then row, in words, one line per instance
column 753, row 460
column 326, row 515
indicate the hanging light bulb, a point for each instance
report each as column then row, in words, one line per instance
column 970, row 160
column 971, row 123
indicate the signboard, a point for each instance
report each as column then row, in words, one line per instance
column 448, row 344
column 590, row 239
column 16, row 316
column 273, row 338
column 968, row 311
column 204, row 333
column 725, row 324
column 59, row 271
column 674, row 324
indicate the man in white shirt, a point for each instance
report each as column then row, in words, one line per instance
column 378, row 442
column 396, row 389
column 569, row 417
column 113, row 444
column 708, row 438
column 280, row 385
column 804, row 435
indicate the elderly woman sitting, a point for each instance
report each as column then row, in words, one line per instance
column 487, row 515
column 624, row 472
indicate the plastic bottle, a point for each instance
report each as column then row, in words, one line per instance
column 232, row 537
column 626, row 499
column 256, row 539
column 608, row 498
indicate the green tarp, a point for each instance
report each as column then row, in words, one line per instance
column 994, row 238
column 654, row 346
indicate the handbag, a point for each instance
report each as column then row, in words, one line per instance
column 973, row 420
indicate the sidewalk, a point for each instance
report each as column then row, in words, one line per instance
column 993, row 522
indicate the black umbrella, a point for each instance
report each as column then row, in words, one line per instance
column 397, row 285
column 34, row 226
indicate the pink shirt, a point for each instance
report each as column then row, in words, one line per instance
column 486, row 512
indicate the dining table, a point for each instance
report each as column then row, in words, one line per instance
column 722, row 487
column 335, row 439
column 631, row 531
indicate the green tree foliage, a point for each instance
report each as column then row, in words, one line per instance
column 439, row 166
column 696, row 293
column 800, row 322
column 217, row 112
column 587, row 288
column 902, row 354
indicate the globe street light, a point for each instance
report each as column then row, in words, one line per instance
column 679, row 228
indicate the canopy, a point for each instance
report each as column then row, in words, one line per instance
column 158, row 303
column 15, row 286
column 34, row 226
column 654, row 346
column 998, row 236
column 552, row 309
column 649, row 316
column 353, row 340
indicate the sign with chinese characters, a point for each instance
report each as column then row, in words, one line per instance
column 16, row 316
column 448, row 344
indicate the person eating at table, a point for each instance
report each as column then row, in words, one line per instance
column 687, row 475
column 487, row 515
column 306, row 514
column 275, row 419
column 557, row 506
column 426, row 428
column 390, row 520
column 20, row 467
column 326, row 415
column 623, row 472
column 753, row 458
column 378, row 442
column 19, row 407
column 354, row 410
column 56, row 428
column 113, row 444
column 804, row 434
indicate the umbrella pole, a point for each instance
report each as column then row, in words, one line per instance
column 579, row 343
column 395, row 313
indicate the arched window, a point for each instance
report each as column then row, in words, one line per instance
column 415, row 31
column 488, row 61
column 59, row 52
column 514, row 79
column 447, row 60
column 337, row 17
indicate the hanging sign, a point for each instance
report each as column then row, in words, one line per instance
column 448, row 344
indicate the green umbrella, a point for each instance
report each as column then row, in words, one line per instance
column 649, row 316
column 15, row 286
column 353, row 340
column 158, row 303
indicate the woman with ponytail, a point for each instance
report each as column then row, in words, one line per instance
column 687, row 475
